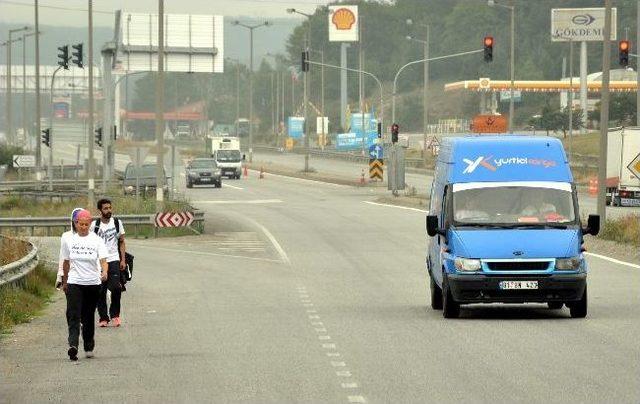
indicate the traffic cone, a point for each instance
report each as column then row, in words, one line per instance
column 245, row 173
column 593, row 186
column 261, row 172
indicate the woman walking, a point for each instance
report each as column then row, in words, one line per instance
column 84, row 269
column 66, row 234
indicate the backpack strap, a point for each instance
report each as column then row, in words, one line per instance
column 116, row 221
column 96, row 226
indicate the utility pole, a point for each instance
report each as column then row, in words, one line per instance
column 425, row 96
column 638, row 64
column 160, row 111
column 24, row 84
column 10, row 132
column 37, row 74
column 604, row 113
column 92, row 164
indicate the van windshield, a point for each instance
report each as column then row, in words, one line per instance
column 513, row 203
column 229, row 155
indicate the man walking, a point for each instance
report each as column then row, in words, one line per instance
column 110, row 229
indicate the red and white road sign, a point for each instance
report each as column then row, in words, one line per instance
column 173, row 219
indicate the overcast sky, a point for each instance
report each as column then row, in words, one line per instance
column 61, row 12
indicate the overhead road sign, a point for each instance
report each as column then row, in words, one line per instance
column 193, row 43
column 581, row 24
column 24, row 161
column 343, row 23
column 173, row 219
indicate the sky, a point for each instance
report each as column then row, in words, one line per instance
column 70, row 12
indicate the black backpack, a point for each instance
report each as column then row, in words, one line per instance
column 127, row 257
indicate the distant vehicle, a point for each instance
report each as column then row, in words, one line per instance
column 224, row 130
column 145, row 177
column 226, row 152
column 623, row 151
column 242, row 127
column 203, row 171
column 504, row 225
column 183, row 132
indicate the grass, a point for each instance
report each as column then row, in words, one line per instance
column 587, row 144
column 20, row 302
column 625, row 229
column 12, row 250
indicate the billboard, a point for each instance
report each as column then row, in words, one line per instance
column 580, row 24
column 193, row 43
column 343, row 23
column 295, row 127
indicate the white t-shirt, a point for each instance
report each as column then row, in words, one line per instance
column 107, row 232
column 83, row 254
column 65, row 235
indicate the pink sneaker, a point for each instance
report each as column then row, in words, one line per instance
column 103, row 323
column 116, row 321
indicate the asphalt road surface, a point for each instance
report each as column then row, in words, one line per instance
column 304, row 292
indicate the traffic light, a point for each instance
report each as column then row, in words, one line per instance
column 623, row 48
column 98, row 136
column 46, row 137
column 488, row 49
column 77, row 55
column 63, row 56
column 395, row 130
column 305, row 61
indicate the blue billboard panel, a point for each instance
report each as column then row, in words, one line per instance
column 295, row 126
column 353, row 141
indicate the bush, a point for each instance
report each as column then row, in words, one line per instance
column 625, row 229
column 6, row 155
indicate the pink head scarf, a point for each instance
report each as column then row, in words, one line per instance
column 83, row 214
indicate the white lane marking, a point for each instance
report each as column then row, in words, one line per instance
column 395, row 206
column 349, row 385
column 329, row 346
column 312, row 311
column 324, row 337
column 239, row 202
column 276, row 245
column 231, row 186
column 308, row 305
column 206, row 253
column 333, row 354
column 338, row 364
column 314, row 317
column 307, row 180
column 604, row 257
column 317, row 323
column 343, row 373
column 356, row 399
column 320, row 329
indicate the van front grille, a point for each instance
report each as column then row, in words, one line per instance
column 518, row 265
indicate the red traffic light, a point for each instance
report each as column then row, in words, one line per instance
column 624, row 45
column 488, row 41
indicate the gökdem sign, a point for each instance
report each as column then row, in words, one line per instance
column 580, row 24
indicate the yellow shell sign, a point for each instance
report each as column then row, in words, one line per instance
column 343, row 19
column 343, row 23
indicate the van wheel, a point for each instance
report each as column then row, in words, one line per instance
column 579, row 309
column 189, row 184
column 436, row 294
column 555, row 305
column 450, row 308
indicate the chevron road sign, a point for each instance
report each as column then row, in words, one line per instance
column 173, row 219
column 375, row 169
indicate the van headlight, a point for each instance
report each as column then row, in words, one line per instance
column 568, row 264
column 467, row 265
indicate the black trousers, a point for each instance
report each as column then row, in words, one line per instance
column 81, row 309
column 113, row 284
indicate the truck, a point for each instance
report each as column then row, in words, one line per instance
column 226, row 152
column 504, row 225
column 623, row 166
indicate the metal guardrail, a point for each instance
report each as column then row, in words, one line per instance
column 62, row 223
column 15, row 271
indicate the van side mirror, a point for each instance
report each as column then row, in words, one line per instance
column 593, row 225
column 432, row 226
column 244, row 157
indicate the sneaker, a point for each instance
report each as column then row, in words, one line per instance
column 103, row 323
column 116, row 321
column 89, row 354
column 73, row 353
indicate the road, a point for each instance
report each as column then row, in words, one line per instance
column 303, row 292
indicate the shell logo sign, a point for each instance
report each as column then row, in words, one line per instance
column 343, row 19
column 343, row 23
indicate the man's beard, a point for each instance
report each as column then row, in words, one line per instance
column 107, row 215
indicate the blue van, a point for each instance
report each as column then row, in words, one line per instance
column 505, row 226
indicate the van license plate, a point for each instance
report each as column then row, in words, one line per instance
column 515, row 285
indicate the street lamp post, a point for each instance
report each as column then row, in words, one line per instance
column 425, row 103
column 512, row 57
column 10, row 134
column 251, row 28
column 24, row 82
column 321, row 53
